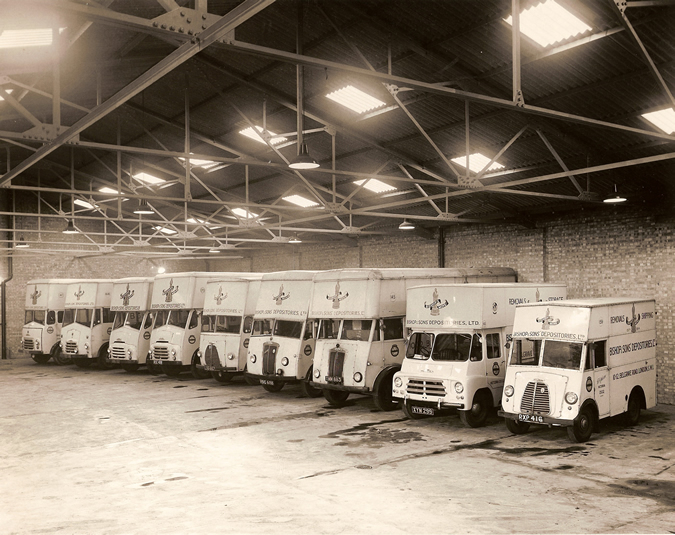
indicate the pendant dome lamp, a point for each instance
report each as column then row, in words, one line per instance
column 70, row 228
column 614, row 197
column 406, row 225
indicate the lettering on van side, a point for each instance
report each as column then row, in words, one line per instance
column 635, row 346
column 635, row 371
column 550, row 335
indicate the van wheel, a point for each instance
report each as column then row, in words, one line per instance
column 274, row 387
column 41, row 358
column 632, row 415
column 308, row 390
column 516, row 427
column 154, row 369
column 582, row 428
column 130, row 367
column 382, row 391
column 477, row 415
column 336, row 398
column 60, row 357
column 198, row 373
column 406, row 407
column 102, row 359
column 222, row 377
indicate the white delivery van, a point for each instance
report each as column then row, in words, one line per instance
column 41, row 333
column 132, row 324
column 361, row 338
column 281, row 347
column 456, row 354
column 576, row 362
column 227, row 323
column 177, row 302
column 87, row 322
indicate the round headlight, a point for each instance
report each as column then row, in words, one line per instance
column 459, row 388
column 129, row 352
column 230, row 356
column 199, row 353
column 37, row 344
column 317, row 373
column 571, row 398
column 109, row 350
column 86, row 346
column 358, row 377
column 280, row 371
column 253, row 358
column 508, row 391
column 398, row 382
column 173, row 352
column 284, row 361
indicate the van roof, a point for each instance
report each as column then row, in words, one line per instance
column 591, row 302
column 400, row 273
column 294, row 275
column 492, row 285
column 188, row 274
column 134, row 279
column 52, row 281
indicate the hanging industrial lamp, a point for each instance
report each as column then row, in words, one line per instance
column 143, row 208
column 295, row 239
column 614, row 197
column 406, row 225
column 70, row 228
column 21, row 244
column 215, row 248
column 303, row 160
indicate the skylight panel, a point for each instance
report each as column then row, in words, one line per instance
column 8, row 91
column 663, row 119
column 106, row 189
column 148, row 179
column 244, row 214
column 26, row 38
column 355, row 99
column 375, row 185
column 255, row 135
column 165, row 230
column 477, row 162
column 549, row 23
column 300, row 201
column 84, row 204
column 204, row 164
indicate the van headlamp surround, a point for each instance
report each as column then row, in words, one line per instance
column 253, row 359
column 398, row 382
column 317, row 373
column 571, row 398
column 459, row 387
column 358, row 377
column 284, row 361
column 508, row 391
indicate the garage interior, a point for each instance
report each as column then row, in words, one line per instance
column 422, row 133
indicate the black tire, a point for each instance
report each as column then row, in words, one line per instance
column 41, row 358
column 222, row 377
column 406, row 407
column 336, row 398
column 172, row 371
column 198, row 373
column 83, row 363
column 154, row 369
column 382, row 391
column 130, row 367
column 516, row 427
column 308, row 390
column 274, row 387
column 102, row 358
column 632, row 414
column 477, row 415
column 60, row 357
column 582, row 429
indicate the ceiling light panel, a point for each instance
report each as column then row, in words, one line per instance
column 148, row 179
column 355, row 99
column 663, row 119
column 255, row 135
column 300, row 201
column 165, row 230
column 477, row 162
column 244, row 214
column 106, row 189
column 26, row 38
column 548, row 23
column 7, row 91
column 84, row 204
column 204, row 164
column 375, row 185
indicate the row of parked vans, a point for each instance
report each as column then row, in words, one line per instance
column 424, row 340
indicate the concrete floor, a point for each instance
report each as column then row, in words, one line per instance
column 93, row 452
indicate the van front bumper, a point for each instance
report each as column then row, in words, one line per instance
column 536, row 419
column 437, row 404
column 275, row 378
column 351, row 389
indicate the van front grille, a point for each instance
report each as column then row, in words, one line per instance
column 71, row 348
column 118, row 352
column 426, row 388
column 536, row 398
column 160, row 352
column 336, row 363
column 211, row 356
column 269, row 358
column 28, row 344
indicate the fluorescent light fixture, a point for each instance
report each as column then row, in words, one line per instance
column 204, row 164
column 406, row 225
column 26, row 38
column 300, row 201
column 8, row 91
column 255, row 135
column 375, row 185
column 244, row 214
column 197, row 221
column 548, row 23
column 148, row 179
column 161, row 269
column 165, row 230
column 106, row 189
column 477, row 162
column 663, row 119
column 355, row 99
column 84, row 204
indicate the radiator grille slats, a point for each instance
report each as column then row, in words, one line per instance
column 118, row 352
column 536, row 398
column 269, row 358
column 426, row 388
column 71, row 347
column 336, row 363
column 160, row 352
column 28, row 344
column 211, row 356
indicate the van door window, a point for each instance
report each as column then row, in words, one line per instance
column 194, row 320
column 392, row 329
column 248, row 324
column 419, row 346
column 492, row 345
column 525, row 352
column 59, row 316
column 309, row 330
column 148, row 320
column 107, row 315
column 97, row 317
column 328, row 329
column 598, row 350
column 51, row 317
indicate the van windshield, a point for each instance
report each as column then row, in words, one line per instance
column 356, row 330
column 262, row 327
column 525, row 352
column 130, row 319
column 328, row 329
column 288, row 329
column 566, row 355
column 419, row 346
column 177, row 318
column 457, row 347
column 37, row 316
column 221, row 324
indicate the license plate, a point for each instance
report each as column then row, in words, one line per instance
column 156, row 362
column 334, row 380
column 426, row 411
column 266, row 382
column 531, row 418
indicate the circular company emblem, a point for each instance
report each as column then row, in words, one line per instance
column 495, row 368
column 146, row 335
column 192, row 339
column 394, row 350
column 589, row 384
column 308, row 350
column 50, row 330
column 246, row 343
column 109, row 330
column 494, row 307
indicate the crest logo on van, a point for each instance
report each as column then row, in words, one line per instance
column 34, row 296
column 548, row 320
column 126, row 296
column 436, row 304
column 220, row 297
column 79, row 293
column 169, row 292
column 632, row 323
column 281, row 296
column 337, row 297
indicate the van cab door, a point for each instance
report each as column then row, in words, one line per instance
column 495, row 363
column 596, row 367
